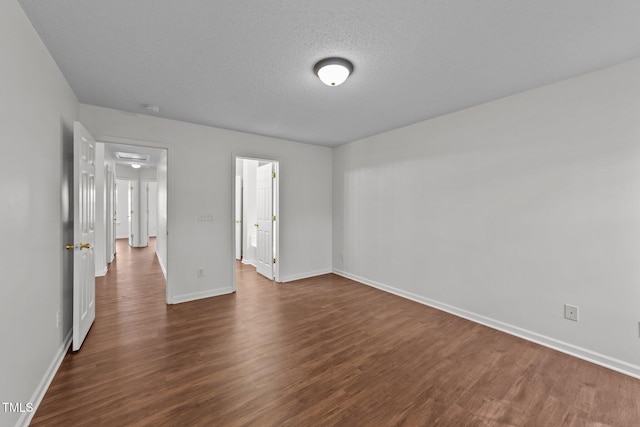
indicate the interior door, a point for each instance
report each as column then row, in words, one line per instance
column 135, row 238
column 84, row 214
column 122, row 209
column 264, row 249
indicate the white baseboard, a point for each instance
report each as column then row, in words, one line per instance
column 162, row 267
column 200, row 295
column 292, row 277
column 40, row 391
column 102, row 273
column 248, row 262
column 564, row 347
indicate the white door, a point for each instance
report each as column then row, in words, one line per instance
column 122, row 209
column 135, row 240
column 143, row 234
column 264, row 249
column 238, row 217
column 84, row 213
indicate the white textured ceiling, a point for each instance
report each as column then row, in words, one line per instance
column 247, row 65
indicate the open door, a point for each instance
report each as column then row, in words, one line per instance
column 84, row 213
column 264, row 249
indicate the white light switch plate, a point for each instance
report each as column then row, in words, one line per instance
column 205, row 216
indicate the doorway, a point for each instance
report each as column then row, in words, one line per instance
column 139, row 211
column 255, row 211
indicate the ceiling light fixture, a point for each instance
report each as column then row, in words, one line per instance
column 333, row 71
column 136, row 165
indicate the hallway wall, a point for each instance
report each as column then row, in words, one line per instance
column 249, row 210
column 200, row 175
column 37, row 110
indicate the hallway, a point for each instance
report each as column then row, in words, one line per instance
column 140, row 354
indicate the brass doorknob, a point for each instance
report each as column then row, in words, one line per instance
column 85, row 245
column 256, row 225
column 69, row 247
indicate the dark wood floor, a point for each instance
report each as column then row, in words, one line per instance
column 321, row 351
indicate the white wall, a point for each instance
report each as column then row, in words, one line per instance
column 37, row 110
column 506, row 211
column 238, row 210
column 110, row 213
column 142, row 174
column 99, row 254
column 152, row 207
column 249, row 210
column 200, row 173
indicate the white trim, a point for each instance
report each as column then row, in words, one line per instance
column 102, row 273
column 276, row 209
column 233, row 216
column 276, row 189
column 306, row 275
column 561, row 346
column 38, row 395
column 200, row 295
column 248, row 262
column 162, row 267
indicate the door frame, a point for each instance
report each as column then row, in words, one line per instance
column 276, row 209
column 108, row 139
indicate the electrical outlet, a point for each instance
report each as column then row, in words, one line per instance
column 200, row 272
column 571, row 312
column 58, row 318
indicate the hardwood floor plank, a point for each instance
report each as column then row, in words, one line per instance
column 322, row 351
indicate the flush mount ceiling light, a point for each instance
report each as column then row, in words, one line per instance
column 333, row 71
column 136, row 165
